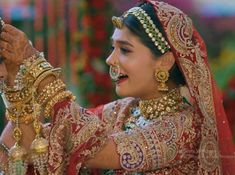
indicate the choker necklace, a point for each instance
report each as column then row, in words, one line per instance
column 155, row 108
column 148, row 110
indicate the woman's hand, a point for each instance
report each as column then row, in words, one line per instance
column 14, row 48
column 14, row 44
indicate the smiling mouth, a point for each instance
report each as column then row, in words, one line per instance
column 120, row 78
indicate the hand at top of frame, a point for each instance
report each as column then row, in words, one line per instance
column 14, row 48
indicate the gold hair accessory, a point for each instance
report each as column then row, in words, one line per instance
column 162, row 76
column 117, row 22
column 150, row 28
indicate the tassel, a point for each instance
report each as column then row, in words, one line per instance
column 39, row 155
column 39, row 146
column 17, row 160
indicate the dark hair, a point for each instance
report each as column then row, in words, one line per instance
column 137, row 29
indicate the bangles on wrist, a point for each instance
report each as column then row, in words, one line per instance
column 4, row 148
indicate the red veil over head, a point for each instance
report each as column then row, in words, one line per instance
column 190, row 52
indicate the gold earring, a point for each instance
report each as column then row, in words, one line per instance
column 162, row 76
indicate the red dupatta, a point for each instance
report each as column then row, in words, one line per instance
column 190, row 52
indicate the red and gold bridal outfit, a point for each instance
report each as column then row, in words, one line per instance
column 195, row 140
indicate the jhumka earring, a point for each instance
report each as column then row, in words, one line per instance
column 162, row 76
column 114, row 72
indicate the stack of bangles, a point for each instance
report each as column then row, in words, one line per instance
column 24, row 105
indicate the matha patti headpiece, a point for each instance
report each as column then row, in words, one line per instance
column 150, row 28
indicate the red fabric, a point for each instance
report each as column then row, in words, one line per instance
column 90, row 143
column 226, row 145
column 199, row 63
column 229, row 103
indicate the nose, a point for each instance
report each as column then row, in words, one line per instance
column 111, row 59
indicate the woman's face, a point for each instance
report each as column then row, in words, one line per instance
column 137, row 64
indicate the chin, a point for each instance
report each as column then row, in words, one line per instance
column 121, row 93
column 124, row 93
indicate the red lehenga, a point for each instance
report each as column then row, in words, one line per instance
column 196, row 140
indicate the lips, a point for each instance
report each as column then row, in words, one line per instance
column 121, row 78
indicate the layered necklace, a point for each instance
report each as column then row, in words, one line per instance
column 148, row 110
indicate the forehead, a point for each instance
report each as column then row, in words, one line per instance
column 123, row 34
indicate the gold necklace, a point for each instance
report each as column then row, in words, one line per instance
column 151, row 109
column 155, row 108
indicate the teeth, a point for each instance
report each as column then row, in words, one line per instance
column 122, row 76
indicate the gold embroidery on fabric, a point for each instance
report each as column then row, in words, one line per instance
column 91, row 123
column 73, row 127
column 209, row 154
column 181, row 34
column 58, row 138
column 159, row 143
column 179, row 30
column 132, row 150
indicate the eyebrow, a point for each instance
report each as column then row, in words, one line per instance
column 123, row 42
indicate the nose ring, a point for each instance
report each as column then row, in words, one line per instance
column 114, row 72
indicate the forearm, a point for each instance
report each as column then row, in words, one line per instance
column 8, row 140
column 27, row 132
column 107, row 158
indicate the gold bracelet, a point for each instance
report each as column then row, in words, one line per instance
column 54, row 72
column 21, row 81
column 28, row 61
column 57, row 98
column 38, row 69
column 17, row 96
column 4, row 148
column 50, row 90
column 21, row 112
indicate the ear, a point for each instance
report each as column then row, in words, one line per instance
column 166, row 61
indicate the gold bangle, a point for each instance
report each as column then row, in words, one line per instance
column 38, row 69
column 21, row 79
column 4, row 148
column 50, row 90
column 28, row 61
column 17, row 96
column 57, row 98
column 54, row 72
column 21, row 112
